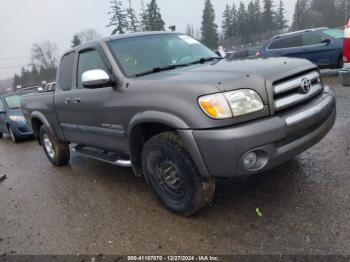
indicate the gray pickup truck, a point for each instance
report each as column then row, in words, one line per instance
column 178, row 114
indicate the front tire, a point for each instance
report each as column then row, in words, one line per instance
column 172, row 175
column 1, row 135
column 57, row 152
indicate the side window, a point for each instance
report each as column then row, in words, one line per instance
column 65, row 74
column 290, row 42
column 312, row 39
column 89, row 60
column 2, row 108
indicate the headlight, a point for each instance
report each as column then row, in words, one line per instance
column 231, row 104
column 17, row 118
column 244, row 102
column 215, row 106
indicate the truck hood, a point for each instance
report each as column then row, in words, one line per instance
column 225, row 75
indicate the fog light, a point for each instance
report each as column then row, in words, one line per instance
column 250, row 160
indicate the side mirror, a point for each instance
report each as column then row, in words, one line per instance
column 326, row 41
column 95, row 78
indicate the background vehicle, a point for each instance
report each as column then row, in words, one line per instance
column 344, row 73
column 12, row 120
column 50, row 87
column 248, row 53
column 322, row 46
column 178, row 114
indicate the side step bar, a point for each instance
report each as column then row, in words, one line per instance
column 105, row 156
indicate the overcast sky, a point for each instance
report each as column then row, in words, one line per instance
column 24, row 22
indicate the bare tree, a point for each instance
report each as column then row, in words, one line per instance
column 190, row 30
column 88, row 35
column 45, row 55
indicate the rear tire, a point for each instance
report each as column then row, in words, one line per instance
column 173, row 177
column 57, row 152
column 340, row 63
column 13, row 136
column 1, row 135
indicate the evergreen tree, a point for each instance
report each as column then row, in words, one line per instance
column 242, row 23
column 16, row 82
column 234, row 17
column 301, row 19
column 227, row 22
column 281, row 21
column 209, row 28
column 143, row 18
column 153, row 18
column 76, row 41
column 257, row 17
column 250, row 19
column 268, row 17
column 34, row 76
column 132, row 19
column 323, row 13
column 342, row 11
column 118, row 21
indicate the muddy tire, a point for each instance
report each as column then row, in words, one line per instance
column 173, row 177
column 58, row 153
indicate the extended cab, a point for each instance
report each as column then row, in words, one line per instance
column 178, row 114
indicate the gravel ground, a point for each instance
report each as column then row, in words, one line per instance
column 92, row 208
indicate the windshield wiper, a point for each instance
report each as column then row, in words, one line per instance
column 161, row 68
column 171, row 67
column 205, row 59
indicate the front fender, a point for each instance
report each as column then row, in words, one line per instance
column 157, row 117
column 171, row 121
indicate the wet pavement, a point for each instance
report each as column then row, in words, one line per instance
column 93, row 208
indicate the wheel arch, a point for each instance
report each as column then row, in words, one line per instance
column 143, row 126
column 37, row 120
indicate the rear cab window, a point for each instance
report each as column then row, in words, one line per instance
column 65, row 74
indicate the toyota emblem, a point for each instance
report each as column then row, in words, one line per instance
column 305, row 85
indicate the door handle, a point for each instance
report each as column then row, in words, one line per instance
column 67, row 100
column 77, row 100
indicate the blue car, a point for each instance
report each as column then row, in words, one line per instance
column 322, row 46
column 12, row 121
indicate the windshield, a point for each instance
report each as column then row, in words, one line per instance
column 13, row 101
column 335, row 33
column 141, row 54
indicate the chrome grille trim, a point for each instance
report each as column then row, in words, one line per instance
column 294, row 83
column 295, row 119
column 297, row 98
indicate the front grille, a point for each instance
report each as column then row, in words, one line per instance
column 23, row 129
column 288, row 92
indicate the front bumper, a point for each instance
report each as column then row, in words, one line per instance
column 279, row 138
column 22, row 130
column 344, row 75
